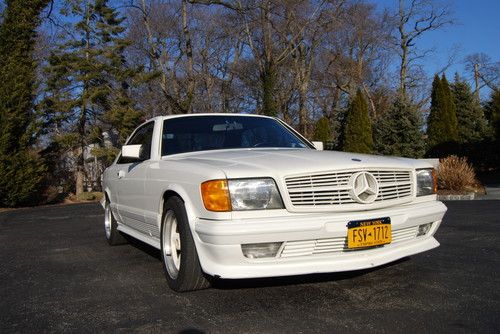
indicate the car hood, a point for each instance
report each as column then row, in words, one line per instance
column 284, row 162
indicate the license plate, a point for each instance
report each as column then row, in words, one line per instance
column 368, row 233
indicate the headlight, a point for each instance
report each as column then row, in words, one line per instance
column 241, row 194
column 426, row 182
column 254, row 194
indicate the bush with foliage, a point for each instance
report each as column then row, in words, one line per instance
column 21, row 181
column 455, row 173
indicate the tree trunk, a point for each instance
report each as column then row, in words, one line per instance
column 303, row 119
column 80, row 175
column 82, row 120
column 268, row 82
column 403, row 70
column 189, row 56
column 476, row 82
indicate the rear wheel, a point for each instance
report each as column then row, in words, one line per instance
column 180, row 259
column 113, row 236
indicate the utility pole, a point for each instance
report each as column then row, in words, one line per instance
column 476, row 80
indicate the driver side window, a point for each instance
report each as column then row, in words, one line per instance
column 143, row 136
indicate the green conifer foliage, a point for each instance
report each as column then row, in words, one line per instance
column 493, row 111
column 358, row 128
column 21, row 178
column 17, row 72
column 442, row 122
column 472, row 125
column 322, row 130
column 21, row 170
column 88, row 81
column 398, row 132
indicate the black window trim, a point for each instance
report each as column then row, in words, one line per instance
column 132, row 136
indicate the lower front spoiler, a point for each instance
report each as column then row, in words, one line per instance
column 219, row 243
column 355, row 260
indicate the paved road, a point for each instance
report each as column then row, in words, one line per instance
column 58, row 274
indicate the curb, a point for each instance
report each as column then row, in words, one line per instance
column 466, row 197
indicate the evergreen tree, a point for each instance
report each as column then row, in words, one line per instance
column 322, row 130
column 21, row 170
column 398, row 132
column 88, row 81
column 17, row 73
column 471, row 121
column 492, row 110
column 442, row 121
column 358, row 128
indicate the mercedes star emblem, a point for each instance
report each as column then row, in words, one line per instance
column 364, row 187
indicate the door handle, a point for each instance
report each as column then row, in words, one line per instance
column 121, row 174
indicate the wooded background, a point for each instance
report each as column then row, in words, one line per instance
column 83, row 74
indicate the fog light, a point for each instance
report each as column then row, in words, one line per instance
column 423, row 229
column 255, row 251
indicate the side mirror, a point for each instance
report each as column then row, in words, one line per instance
column 132, row 152
column 318, row 145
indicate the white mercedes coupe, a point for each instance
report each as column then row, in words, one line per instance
column 245, row 196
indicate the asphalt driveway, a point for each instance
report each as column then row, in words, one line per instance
column 58, row 274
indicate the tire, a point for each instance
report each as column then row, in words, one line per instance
column 178, row 251
column 113, row 236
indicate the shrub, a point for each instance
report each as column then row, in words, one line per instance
column 456, row 174
column 22, row 177
column 89, row 196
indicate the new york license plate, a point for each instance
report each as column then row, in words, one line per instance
column 368, row 233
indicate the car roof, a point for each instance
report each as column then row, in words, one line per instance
column 204, row 114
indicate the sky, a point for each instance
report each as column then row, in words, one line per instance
column 477, row 30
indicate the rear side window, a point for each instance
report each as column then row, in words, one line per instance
column 142, row 136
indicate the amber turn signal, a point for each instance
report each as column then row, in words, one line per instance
column 215, row 195
column 435, row 181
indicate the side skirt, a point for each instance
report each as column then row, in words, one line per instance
column 140, row 236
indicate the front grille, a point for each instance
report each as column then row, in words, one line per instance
column 337, row 245
column 333, row 188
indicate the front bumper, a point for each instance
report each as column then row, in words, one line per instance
column 219, row 242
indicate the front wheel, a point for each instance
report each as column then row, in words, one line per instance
column 180, row 259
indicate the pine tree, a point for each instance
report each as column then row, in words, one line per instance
column 358, row 128
column 492, row 110
column 442, row 122
column 398, row 132
column 322, row 130
column 17, row 72
column 21, row 170
column 88, row 81
column 471, row 121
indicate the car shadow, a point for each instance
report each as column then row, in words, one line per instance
column 144, row 247
column 234, row 284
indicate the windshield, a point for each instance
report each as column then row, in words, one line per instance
column 202, row 133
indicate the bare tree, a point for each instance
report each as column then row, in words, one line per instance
column 415, row 18
column 486, row 73
column 356, row 52
column 159, row 33
column 274, row 31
